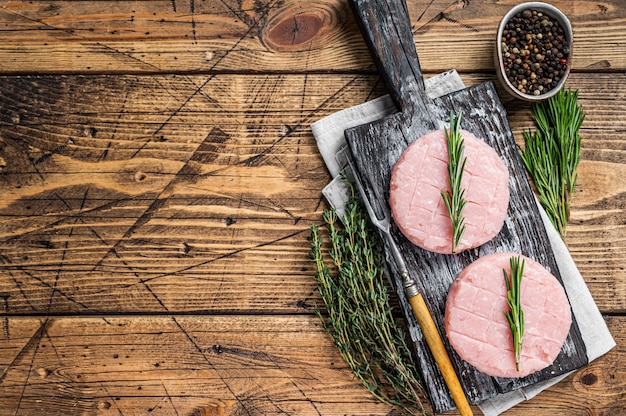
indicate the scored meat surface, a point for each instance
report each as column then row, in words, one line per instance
column 477, row 327
column 420, row 175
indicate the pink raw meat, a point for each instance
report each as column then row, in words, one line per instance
column 419, row 177
column 478, row 330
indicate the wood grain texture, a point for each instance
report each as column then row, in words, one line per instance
column 268, row 35
column 216, row 180
column 234, row 365
column 62, row 152
column 175, row 365
column 68, row 141
column 158, row 177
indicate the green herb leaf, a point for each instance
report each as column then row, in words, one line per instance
column 358, row 314
column 515, row 314
column 455, row 198
column 552, row 153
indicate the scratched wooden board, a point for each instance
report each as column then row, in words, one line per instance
column 163, row 193
column 211, row 365
column 377, row 146
column 222, row 365
column 169, row 36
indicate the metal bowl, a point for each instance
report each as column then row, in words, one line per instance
column 555, row 14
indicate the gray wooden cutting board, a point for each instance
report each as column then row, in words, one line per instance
column 375, row 147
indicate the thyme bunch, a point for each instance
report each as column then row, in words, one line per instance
column 455, row 197
column 552, row 153
column 515, row 314
column 359, row 315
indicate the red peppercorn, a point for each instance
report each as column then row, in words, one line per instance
column 563, row 61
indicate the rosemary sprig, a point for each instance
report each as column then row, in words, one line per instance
column 358, row 312
column 455, row 197
column 552, row 153
column 515, row 314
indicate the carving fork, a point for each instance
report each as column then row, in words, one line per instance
column 424, row 318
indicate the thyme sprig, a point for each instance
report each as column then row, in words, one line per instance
column 515, row 314
column 552, row 153
column 455, row 197
column 358, row 312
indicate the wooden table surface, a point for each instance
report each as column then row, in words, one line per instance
column 158, row 178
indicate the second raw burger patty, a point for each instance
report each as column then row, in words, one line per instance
column 419, row 177
column 480, row 333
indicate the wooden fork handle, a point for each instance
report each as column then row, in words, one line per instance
column 433, row 339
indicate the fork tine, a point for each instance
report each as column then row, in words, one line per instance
column 381, row 223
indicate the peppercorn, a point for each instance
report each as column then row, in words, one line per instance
column 534, row 44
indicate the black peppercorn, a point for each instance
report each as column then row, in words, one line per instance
column 535, row 52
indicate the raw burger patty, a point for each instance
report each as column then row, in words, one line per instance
column 478, row 330
column 420, row 175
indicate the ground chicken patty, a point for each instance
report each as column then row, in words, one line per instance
column 419, row 177
column 479, row 331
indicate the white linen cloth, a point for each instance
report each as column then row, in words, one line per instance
column 329, row 135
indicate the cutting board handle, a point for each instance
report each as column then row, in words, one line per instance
column 386, row 27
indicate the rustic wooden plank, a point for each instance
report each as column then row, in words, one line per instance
column 175, row 365
column 220, row 240
column 231, row 364
column 178, row 193
column 234, row 240
column 319, row 35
